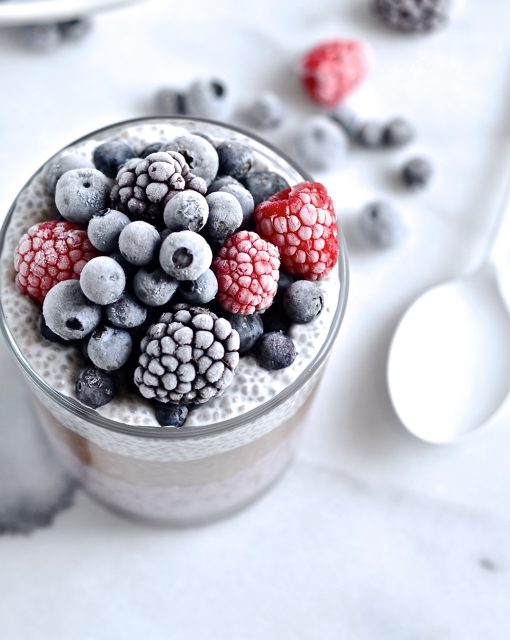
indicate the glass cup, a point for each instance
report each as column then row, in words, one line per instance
column 190, row 475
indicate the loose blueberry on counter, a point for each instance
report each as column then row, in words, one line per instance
column 139, row 242
column 320, row 144
column 68, row 313
column 169, row 102
column 109, row 348
column 244, row 197
column 95, row 388
column 200, row 155
column 185, row 255
column 398, row 132
column 202, row 290
column 186, row 210
column 416, row 173
column 171, row 415
column 303, row 301
column 264, row 184
column 154, row 147
column 347, row 119
column 413, row 16
column 126, row 312
column 50, row 335
column 59, row 165
column 370, row 135
column 76, row 29
column 105, row 228
column 381, row 225
column 154, row 287
column 266, row 112
column 275, row 351
column 225, row 215
column 109, row 156
column 81, row 194
column 249, row 328
column 222, row 181
column 208, row 98
column 103, row 280
column 236, row 158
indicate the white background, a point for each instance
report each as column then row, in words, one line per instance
column 371, row 535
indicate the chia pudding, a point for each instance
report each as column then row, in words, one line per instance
column 232, row 445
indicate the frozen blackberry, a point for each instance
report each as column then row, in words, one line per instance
column 126, row 312
column 109, row 348
column 236, row 158
column 243, row 196
column 320, row 145
column 186, row 210
column 416, row 173
column 202, row 290
column 414, row 16
column 171, row 415
column 154, row 288
column 266, row 112
column 169, row 102
column 199, row 154
column 103, row 280
column 94, row 388
column 275, row 351
column 264, row 184
column 139, row 243
column 68, row 313
column 81, row 194
column 208, row 98
column 381, row 225
column 185, row 255
column 250, row 328
column 303, row 301
column 104, row 230
column 188, row 357
column 225, row 215
column 398, row 132
column 59, row 165
column 109, row 156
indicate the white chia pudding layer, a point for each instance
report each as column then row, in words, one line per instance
column 58, row 365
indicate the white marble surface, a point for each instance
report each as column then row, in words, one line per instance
column 371, row 535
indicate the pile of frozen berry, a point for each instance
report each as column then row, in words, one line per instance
column 165, row 265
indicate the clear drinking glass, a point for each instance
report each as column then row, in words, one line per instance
column 193, row 474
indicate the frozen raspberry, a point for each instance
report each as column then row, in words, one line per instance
column 333, row 69
column 48, row 253
column 301, row 222
column 247, row 271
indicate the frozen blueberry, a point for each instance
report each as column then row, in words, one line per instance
column 222, row 181
column 347, row 119
column 109, row 156
column 103, row 280
column 186, row 210
column 266, row 111
column 398, row 132
column 126, row 312
column 94, row 388
column 76, row 29
column 185, row 255
column 264, row 184
column 171, row 415
column 109, row 348
column 48, row 334
column 381, row 225
column 154, row 147
column 320, row 144
column 81, row 194
column 59, row 165
column 208, row 98
column 275, row 351
column 68, row 313
column 370, row 134
column 249, row 328
column 169, row 102
column 303, row 301
column 416, row 173
column 104, row 230
column 154, row 288
column 139, row 242
column 225, row 215
column 236, row 158
column 202, row 290
column 40, row 37
column 200, row 155
column 243, row 196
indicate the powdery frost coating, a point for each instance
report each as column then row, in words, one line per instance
column 59, row 366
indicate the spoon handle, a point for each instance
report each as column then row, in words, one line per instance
column 499, row 243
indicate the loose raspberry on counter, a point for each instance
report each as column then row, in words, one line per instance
column 247, row 271
column 51, row 252
column 331, row 70
column 301, row 222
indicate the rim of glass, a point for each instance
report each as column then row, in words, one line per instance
column 75, row 407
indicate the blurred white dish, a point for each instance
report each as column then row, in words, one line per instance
column 17, row 13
